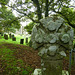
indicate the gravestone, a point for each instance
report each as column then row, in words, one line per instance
column 1, row 34
column 6, row 36
column 52, row 38
column 14, row 39
column 10, row 35
column 26, row 40
column 21, row 41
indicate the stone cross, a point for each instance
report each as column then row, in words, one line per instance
column 52, row 38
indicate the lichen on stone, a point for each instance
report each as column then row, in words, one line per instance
column 52, row 38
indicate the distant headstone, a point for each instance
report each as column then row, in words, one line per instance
column 21, row 41
column 6, row 36
column 14, row 39
column 1, row 34
column 26, row 40
column 10, row 35
column 52, row 38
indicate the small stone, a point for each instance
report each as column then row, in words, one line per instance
column 62, row 53
column 42, row 64
column 44, row 69
column 37, row 72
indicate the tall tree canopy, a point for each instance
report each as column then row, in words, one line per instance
column 38, row 9
column 8, row 22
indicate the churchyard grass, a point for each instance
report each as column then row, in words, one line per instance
column 18, row 37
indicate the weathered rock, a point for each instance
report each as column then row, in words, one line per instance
column 52, row 38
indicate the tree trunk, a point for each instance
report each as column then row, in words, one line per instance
column 39, row 13
column 46, row 11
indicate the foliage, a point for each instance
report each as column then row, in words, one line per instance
column 4, row 1
column 69, row 16
column 38, row 9
column 29, row 27
column 8, row 21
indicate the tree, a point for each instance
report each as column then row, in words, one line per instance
column 7, row 20
column 69, row 15
column 41, row 8
column 29, row 27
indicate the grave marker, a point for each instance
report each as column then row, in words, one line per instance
column 14, row 39
column 52, row 38
column 10, row 35
column 21, row 41
column 26, row 40
column 6, row 36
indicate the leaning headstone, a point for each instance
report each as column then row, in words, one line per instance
column 26, row 40
column 52, row 38
column 21, row 41
column 14, row 39
column 5, row 36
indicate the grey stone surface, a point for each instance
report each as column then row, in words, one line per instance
column 52, row 38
